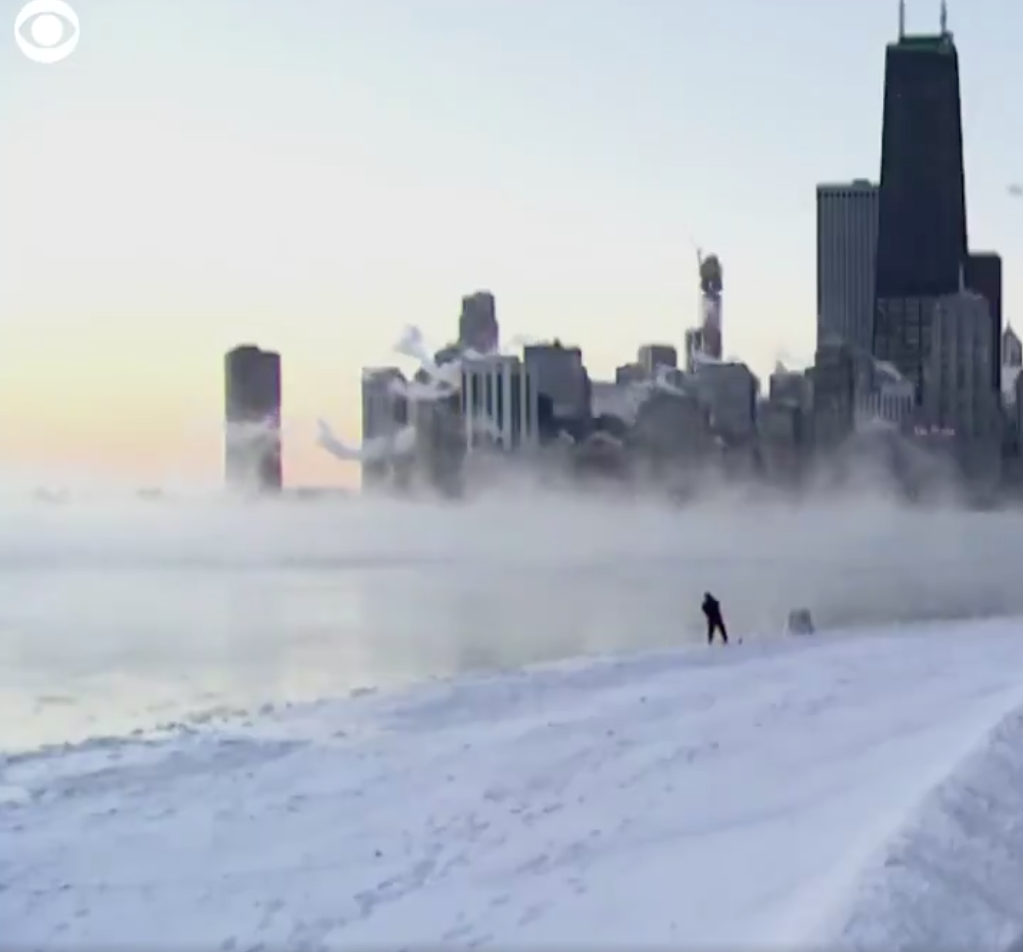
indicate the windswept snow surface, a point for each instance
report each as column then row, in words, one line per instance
column 855, row 791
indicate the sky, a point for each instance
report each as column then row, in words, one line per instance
column 313, row 175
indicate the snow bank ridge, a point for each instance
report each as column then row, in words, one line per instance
column 953, row 879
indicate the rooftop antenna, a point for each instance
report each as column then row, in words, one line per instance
column 944, row 18
column 902, row 19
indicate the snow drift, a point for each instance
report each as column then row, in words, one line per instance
column 953, row 877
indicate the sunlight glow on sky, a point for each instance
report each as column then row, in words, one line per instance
column 311, row 175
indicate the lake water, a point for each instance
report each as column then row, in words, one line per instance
column 118, row 614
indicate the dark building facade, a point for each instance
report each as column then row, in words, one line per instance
column 252, row 396
column 984, row 276
column 563, row 386
column 477, row 324
column 903, row 336
column 834, row 391
column 385, row 411
column 441, row 444
column 922, row 235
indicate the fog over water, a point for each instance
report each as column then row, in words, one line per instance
column 120, row 613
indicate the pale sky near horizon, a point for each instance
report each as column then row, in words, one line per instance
column 312, row 175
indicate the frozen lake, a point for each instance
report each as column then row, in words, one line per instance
column 117, row 615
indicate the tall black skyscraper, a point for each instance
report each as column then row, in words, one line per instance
column 921, row 240
column 252, row 410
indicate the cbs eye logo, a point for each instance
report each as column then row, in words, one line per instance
column 46, row 31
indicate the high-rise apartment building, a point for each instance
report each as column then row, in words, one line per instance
column 499, row 403
column 252, row 411
column 477, row 324
column 846, row 252
column 922, row 235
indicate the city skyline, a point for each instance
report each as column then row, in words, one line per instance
column 165, row 261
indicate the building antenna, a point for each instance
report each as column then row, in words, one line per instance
column 944, row 18
column 902, row 19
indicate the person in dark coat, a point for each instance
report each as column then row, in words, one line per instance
column 712, row 611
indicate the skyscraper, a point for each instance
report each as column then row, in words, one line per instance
column 711, row 287
column 1012, row 349
column 385, row 411
column 562, row 385
column 477, row 324
column 922, row 238
column 922, row 241
column 846, row 250
column 252, row 410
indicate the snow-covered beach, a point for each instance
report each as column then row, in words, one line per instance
column 860, row 791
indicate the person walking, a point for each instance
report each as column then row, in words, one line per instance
column 715, row 622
